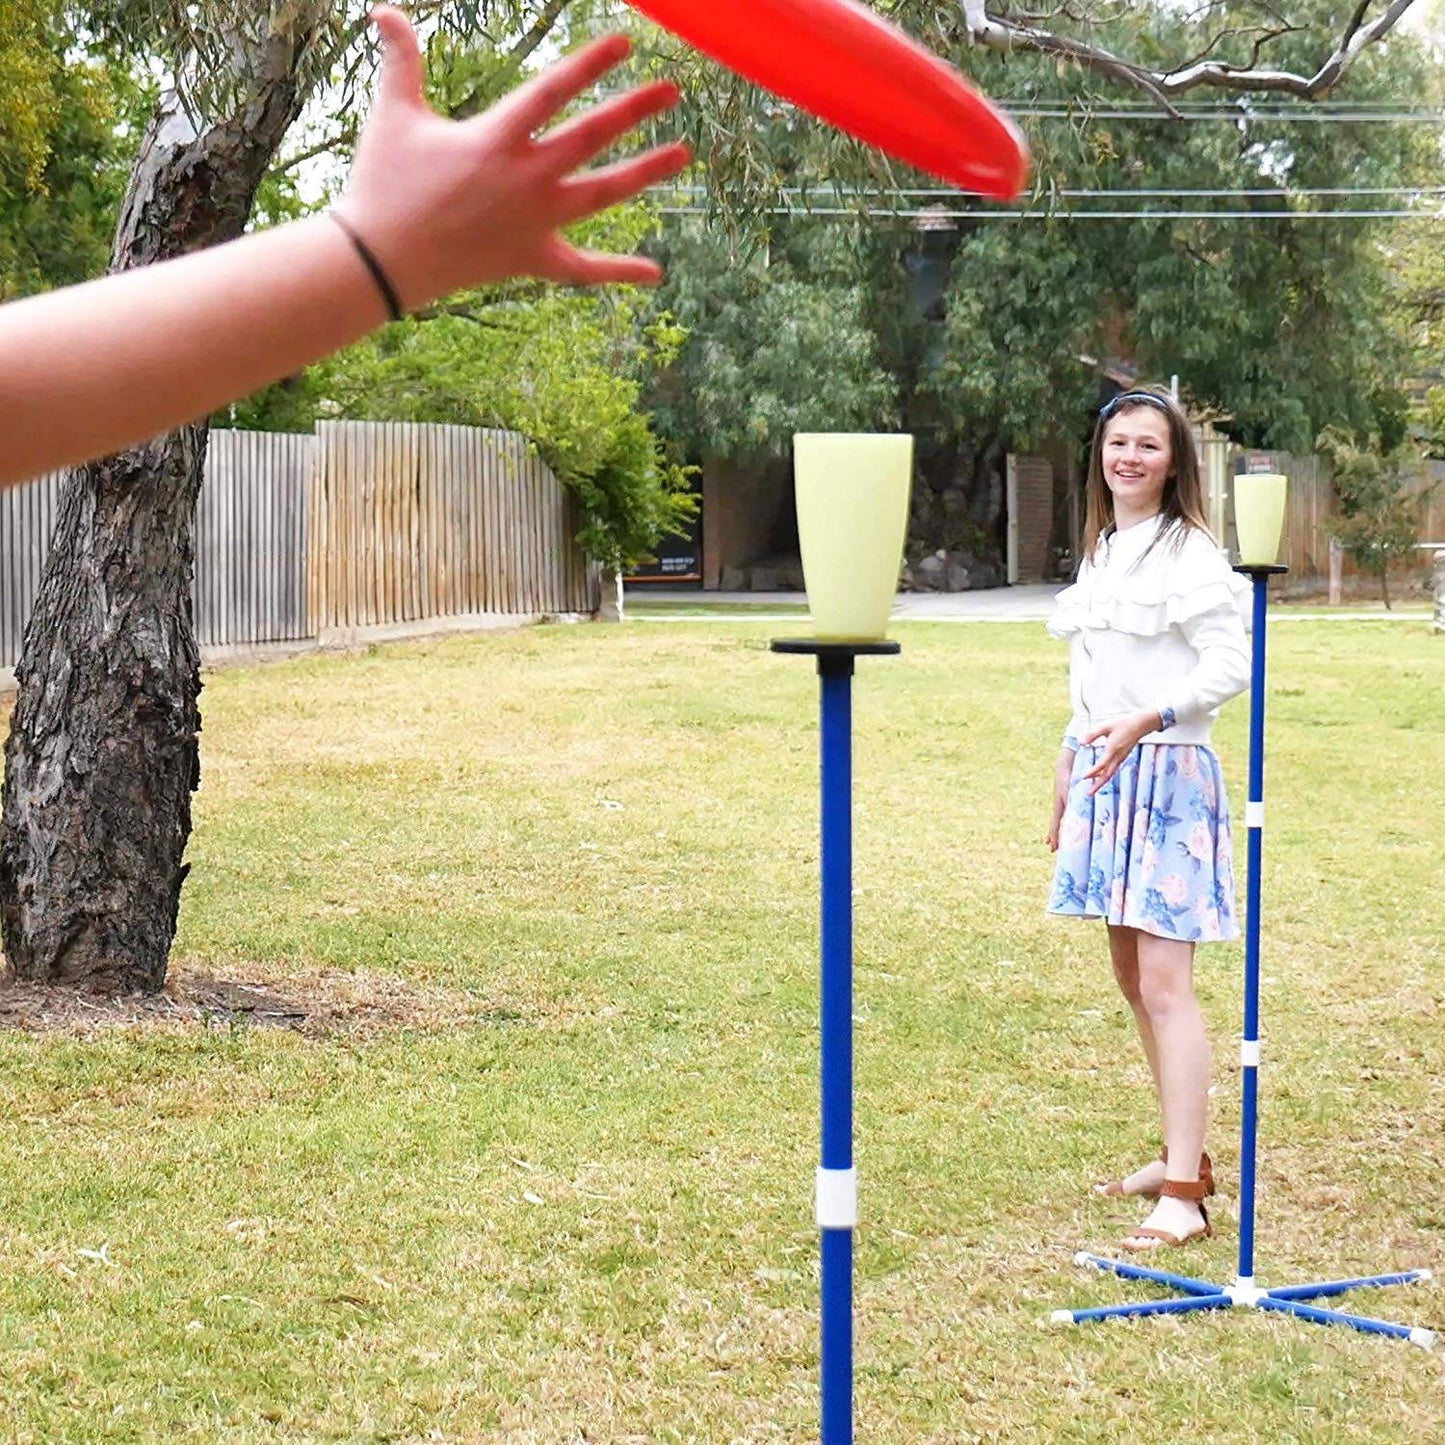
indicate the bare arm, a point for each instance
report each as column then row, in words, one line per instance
column 441, row 204
column 94, row 368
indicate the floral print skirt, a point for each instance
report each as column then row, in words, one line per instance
column 1152, row 849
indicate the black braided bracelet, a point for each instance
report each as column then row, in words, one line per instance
column 383, row 281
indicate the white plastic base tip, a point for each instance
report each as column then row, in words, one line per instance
column 1424, row 1338
column 1244, row 1292
column 1425, row 1274
column 1062, row 1317
column 1084, row 1257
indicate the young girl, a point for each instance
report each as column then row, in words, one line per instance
column 1140, row 822
column 432, row 205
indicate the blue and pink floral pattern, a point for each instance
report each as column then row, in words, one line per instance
column 1152, row 849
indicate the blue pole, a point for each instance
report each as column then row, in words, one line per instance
column 837, row 1181
column 1330, row 1287
column 1249, row 1048
column 1154, row 1276
column 1423, row 1338
column 1143, row 1311
column 836, row 1188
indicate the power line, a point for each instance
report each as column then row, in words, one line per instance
column 934, row 214
column 798, row 194
column 1231, row 114
column 1238, row 112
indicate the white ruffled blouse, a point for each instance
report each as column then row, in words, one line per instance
column 1161, row 627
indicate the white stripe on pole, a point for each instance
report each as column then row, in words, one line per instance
column 1254, row 815
column 1249, row 1053
column 837, row 1198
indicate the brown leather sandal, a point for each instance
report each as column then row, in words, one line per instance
column 1191, row 1189
column 1115, row 1187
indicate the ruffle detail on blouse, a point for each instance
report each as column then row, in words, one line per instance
column 1166, row 590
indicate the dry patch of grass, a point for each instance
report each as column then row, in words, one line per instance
column 316, row 1003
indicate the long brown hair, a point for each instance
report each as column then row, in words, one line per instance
column 1182, row 505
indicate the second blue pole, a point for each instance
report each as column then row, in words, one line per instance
column 837, row 1187
column 1249, row 1045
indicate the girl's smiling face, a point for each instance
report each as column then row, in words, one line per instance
column 1137, row 460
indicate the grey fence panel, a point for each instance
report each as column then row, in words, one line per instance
column 251, row 540
column 27, row 519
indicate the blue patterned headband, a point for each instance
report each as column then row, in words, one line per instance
column 1146, row 398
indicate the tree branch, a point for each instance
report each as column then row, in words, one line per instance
column 462, row 312
column 1006, row 37
column 1356, row 20
column 542, row 27
column 346, row 137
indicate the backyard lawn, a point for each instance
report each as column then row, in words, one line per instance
column 484, row 1103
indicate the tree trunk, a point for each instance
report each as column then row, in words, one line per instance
column 613, row 604
column 102, row 756
column 103, row 753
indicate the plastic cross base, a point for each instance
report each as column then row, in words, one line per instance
column 1199, row 1294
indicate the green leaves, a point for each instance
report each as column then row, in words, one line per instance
column 1280, row 324
column 29, row 100
column 1379, row 517
column 63, row 153
column 777, row 343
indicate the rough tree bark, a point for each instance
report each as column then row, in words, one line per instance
column 103, row 750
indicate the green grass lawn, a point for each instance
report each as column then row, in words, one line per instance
column 535, row 1163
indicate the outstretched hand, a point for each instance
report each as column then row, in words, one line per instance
column 439, row 205
column 448, row 204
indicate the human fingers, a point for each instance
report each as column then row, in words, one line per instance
column 572, row 266
column 1107, row 765
column 577, row 141
column 531, row 106
column 403, row 72
column 595, row 191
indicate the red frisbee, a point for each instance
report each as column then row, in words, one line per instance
column 846, row 65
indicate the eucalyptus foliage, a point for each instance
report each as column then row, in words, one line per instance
column 1278, row 325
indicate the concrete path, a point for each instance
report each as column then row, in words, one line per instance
column 1000, row 604
column 1033, row 603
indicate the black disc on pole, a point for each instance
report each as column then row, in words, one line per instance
column 809, row 647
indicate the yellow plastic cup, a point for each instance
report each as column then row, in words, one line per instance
column 852, row 492
column 1259, row 516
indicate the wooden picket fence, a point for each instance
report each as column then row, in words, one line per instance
column 363, row 526
column 413, row 522
column 1305, row 546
